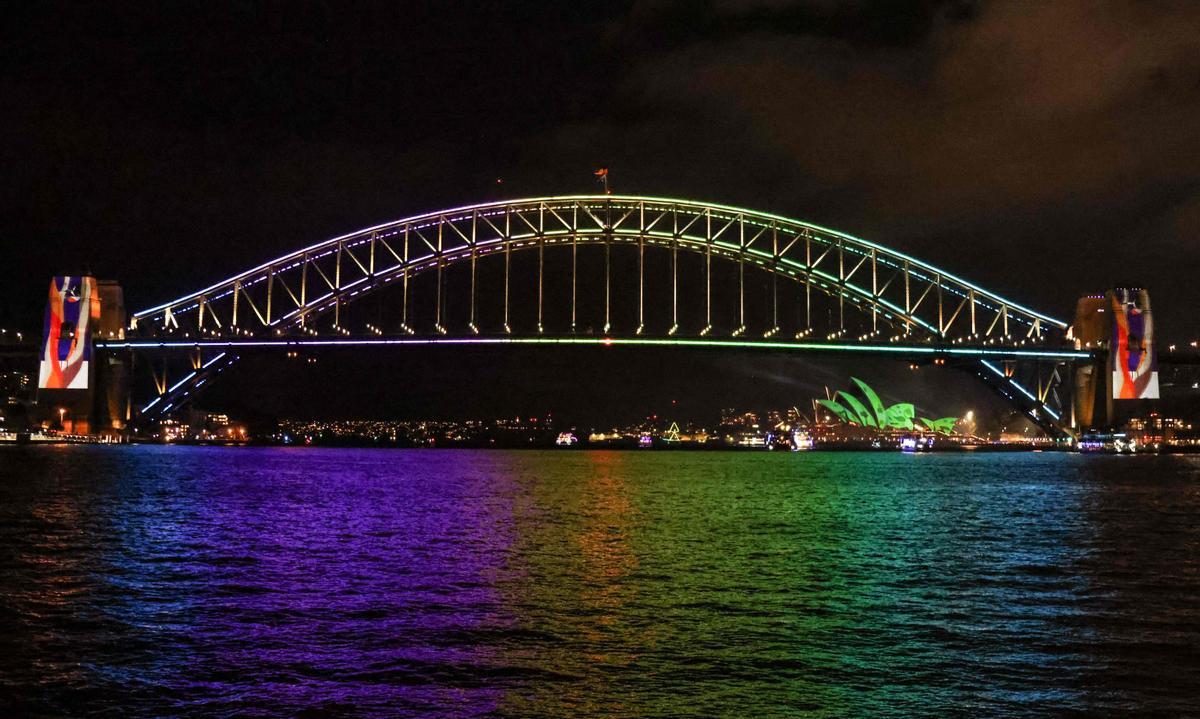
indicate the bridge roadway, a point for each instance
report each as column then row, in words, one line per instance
column 909, row 351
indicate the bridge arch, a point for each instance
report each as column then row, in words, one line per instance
column 287, row 294
column 290, row 300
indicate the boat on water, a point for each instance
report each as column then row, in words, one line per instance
column 917, row 443
column 566, row 439
column 1107, row 443
column 801, row 441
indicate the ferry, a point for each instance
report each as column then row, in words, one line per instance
column 801, row 441
column 566, row 439
column 1107, row 443
column 916, row 444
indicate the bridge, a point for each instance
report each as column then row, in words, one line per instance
column 606, row 270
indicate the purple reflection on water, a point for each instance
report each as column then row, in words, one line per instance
column 350, row 579
column 155, row 581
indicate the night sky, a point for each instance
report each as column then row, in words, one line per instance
column 1042, row 150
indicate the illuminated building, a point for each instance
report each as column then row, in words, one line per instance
column 852, row 411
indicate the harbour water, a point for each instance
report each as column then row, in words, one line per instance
column 208, row 581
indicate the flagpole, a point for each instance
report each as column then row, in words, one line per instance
column 602, row 173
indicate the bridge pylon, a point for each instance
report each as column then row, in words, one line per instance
column 82, row 391
column 1123, row 377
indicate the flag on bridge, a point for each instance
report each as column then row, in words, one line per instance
column 602, row 173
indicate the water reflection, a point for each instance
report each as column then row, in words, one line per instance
column 201, row 581
column 1141, row 610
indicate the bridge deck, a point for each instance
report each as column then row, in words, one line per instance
column 915, row 351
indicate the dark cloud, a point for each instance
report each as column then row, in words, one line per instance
column 999, row 133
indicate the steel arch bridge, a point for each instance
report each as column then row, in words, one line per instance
column 849, row 295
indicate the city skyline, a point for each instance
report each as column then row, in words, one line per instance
column 164, row 206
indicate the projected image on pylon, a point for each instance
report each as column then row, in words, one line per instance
column 72, row 312
column 1135, row 368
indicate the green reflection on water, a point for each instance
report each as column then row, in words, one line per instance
column 661, row 583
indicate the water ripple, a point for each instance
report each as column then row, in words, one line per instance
column 152, row 581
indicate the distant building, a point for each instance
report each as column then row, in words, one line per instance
column 1155, row 430
column 15, row 385
column 732, row 418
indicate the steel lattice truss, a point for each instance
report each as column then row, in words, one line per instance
column 909, row 298
column 905, row 305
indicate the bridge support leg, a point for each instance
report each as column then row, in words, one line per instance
column 774, row 305
column 473, row 325
column 1043, row 397
column 541, row 285
column 641, row 284
column 437, row 312
column 574, row 278
column 707, row 291
column 404, row 305
column 741, row 328
column 607, row 285
column 807, row 287
column 907, row 299
column 841, row 288
column 674, row 288
column 874, row 294
column 507, row 271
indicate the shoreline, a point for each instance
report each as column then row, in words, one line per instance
column 972, row 449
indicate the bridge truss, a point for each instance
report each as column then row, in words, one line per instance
column 725, row 276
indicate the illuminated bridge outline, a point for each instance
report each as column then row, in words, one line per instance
column 860, row 348
column 935, row 311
